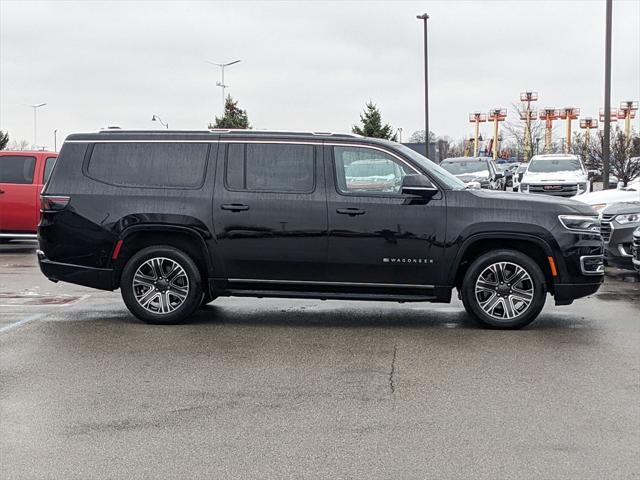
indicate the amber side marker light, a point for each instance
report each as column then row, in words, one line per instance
column 552, row 265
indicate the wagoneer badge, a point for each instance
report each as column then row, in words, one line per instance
column 406, row 260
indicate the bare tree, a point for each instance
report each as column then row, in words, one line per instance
column 515, row 134
column 418, row 137
column 623, row 149
column 19, row 145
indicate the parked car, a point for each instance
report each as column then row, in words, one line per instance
column 508, row 169
column 603, row 198
column 476, row 169
column 636, row 249
column 22, row 175
column 176, row 219
column 558, row 175
column 618, row 223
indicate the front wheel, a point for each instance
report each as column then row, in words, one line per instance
column 161, row 285
column 504, row 289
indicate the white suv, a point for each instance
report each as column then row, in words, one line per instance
column 557, row 174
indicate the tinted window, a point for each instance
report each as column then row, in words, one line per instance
column 48, row 167
column 270, row 167
column 179, row 165
column 17, row 169
column 365, row 170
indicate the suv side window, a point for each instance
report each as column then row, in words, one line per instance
column 262, row 167
column 367, row 171
column 145, row 164
column 17, row 169
column 48, row 167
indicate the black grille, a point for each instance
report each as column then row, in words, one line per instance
column 605, row 227
column 563, row 190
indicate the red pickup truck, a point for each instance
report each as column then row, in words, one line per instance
column 22, row 176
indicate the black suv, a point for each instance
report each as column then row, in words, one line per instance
column 176, row 219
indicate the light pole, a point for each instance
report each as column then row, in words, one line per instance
column 221, row 83
column 496, row 115
column 548, row 115
column 568, row 114
column 477, row 118
column 587, row 124
column 55, row 140
column 627, row 112
column 35, row 123
column 424, row 17
column 156, row 118
column 527, row 116
column 607, row 96
column 399, row 134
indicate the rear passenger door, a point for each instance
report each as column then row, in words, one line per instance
column 269, row 212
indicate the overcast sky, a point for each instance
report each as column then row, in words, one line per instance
column 305, row 65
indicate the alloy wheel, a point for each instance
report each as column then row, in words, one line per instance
column 160, row 285
column 504, row 290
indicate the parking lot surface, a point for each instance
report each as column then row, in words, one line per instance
column 258, row 388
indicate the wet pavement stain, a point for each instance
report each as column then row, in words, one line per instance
column 34, row 299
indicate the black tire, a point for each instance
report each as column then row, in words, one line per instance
column 509, row 309
column 170, row 296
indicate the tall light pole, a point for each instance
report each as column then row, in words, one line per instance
column 35, row 122
column 568, row 114
column 496, row 115
column 424, row 17
column 221, row 83
column 156, row 118
column 55, row 140
column 607, row 96
column 527, row 116
column 627, row 112
column 476, row 117
column 548, row 115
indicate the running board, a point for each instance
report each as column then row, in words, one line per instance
column 328, row 295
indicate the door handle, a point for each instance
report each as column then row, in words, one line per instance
column 352, row 212
column 234, row 207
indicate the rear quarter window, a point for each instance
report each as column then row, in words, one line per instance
column 17, row 169
column 152, row 165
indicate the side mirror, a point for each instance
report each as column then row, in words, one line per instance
column 419, row 185
column 499, row 175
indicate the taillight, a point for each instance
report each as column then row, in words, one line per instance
column 54, row 203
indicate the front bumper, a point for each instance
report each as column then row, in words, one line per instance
column 101, row 278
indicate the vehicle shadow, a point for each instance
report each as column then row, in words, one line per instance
column 18, row 247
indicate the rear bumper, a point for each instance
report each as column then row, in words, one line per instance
column 101, row 278
column 565, row 293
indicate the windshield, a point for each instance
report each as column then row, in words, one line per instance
column 437, row 171
column 556, row 165
column 462, row 168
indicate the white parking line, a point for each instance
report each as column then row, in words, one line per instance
column 30, row 318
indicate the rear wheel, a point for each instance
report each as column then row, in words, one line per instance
column 161, row 285
column 504, row 289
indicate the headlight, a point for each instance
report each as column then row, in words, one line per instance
column 524, row 187
column 628, row 218
column 580, row 223
column 582, row 187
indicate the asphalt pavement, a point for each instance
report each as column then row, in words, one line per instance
column 261, row 388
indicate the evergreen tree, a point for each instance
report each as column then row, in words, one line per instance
column 371, row 120
column 234, row 117
column 4, row 139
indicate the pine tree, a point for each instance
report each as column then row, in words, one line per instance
column 234, row 117
column 4, row 139
column 371, row 120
